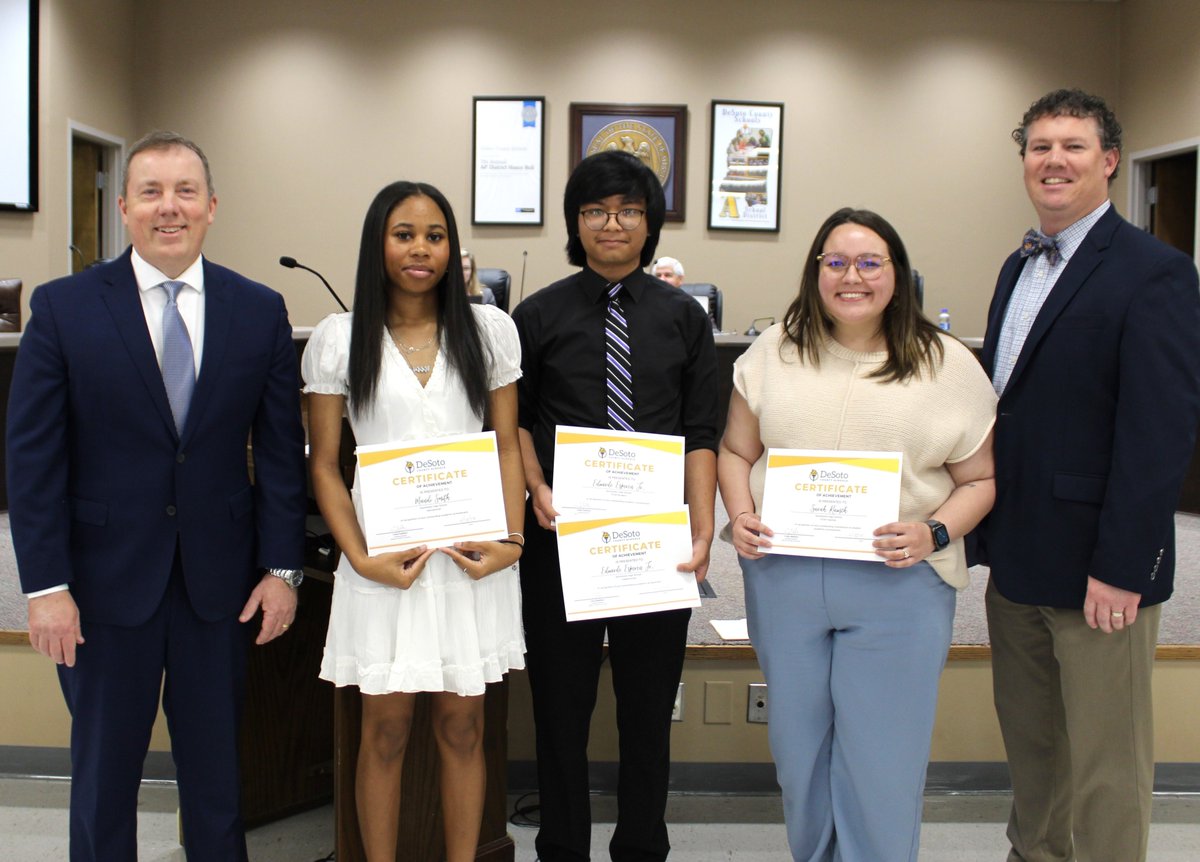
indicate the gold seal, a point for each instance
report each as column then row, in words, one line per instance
column 636, row 138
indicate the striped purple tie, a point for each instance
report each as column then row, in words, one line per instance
column 618, row 366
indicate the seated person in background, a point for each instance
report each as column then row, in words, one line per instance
column 668, row 269
column 474, row 288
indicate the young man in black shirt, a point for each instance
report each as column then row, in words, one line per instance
column 614, row 209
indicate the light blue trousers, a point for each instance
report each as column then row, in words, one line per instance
column 852, row 653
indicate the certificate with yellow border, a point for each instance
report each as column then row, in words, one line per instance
column 823, row 503
column 603, row 472
column 430, row 492
column 619, row 566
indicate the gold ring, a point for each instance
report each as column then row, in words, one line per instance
column 1118, row 613
column 905, row 552
column 285, row 626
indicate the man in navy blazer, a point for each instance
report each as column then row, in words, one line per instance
column 141, row 541
column 1092, row 347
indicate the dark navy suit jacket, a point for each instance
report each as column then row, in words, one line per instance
column 1097, row 425
column 102, row 488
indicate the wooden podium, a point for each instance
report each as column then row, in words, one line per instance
column 300, row 740
column 421, row 837
column 287, row 724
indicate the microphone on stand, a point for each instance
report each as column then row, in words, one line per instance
column 524, row 260
column 292, row 263
column 754, row 330
column 75, row 248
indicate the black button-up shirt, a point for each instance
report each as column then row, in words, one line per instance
column 563, row 361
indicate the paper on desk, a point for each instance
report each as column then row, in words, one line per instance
column 731, row 630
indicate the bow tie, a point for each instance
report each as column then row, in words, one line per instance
column 1036, row 242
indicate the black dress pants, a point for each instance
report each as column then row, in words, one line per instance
column 563, row 661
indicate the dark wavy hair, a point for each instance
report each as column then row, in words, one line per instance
column 613, row 173
column 459, row 331
column 1074, row 103
column 913, row 345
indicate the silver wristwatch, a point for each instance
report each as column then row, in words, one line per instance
column 292, row 577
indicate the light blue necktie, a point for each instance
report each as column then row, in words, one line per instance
column 619, row 376
column 178, row 362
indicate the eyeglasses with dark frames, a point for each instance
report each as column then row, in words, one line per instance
column 627, row 218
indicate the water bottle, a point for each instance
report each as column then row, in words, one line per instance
column 944, row 320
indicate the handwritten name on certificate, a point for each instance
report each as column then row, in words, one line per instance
column 619, row 566
column 601, row 472
column 829, row 503
column 431, row 492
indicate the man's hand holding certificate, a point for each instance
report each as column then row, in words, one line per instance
column 623, row 530
column 431, row 492
column 829, row 503
column 618, row 566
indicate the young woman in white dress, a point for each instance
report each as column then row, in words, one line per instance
column 415, row 359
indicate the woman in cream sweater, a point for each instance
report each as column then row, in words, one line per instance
column 852, row 649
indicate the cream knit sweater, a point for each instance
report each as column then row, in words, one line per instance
column 934, row 422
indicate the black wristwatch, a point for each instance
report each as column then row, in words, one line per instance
column 941, row 536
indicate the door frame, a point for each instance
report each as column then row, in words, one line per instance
column 1139, row 182
column 113, row 239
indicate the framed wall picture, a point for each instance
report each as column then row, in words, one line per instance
column 746, row 152
column 509, row 140
column 656, row 134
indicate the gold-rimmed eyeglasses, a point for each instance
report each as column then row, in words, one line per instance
column 869, row 266
column 595, row 218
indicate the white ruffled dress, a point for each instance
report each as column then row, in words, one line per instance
column 446, row 632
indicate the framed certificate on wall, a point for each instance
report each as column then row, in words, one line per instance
column 508, row 147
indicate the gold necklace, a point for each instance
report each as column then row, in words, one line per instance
column 411, row 350
column 408, row 350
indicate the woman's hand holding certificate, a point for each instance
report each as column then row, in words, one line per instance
column 829, row 503
column 430, row 492
column 396, row 569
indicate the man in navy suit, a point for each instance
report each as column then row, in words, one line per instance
column 1092, row 347
column 142, row 544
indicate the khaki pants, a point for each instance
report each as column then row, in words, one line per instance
column 1075, row 711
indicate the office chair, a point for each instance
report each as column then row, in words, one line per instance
column 712, row 293
column 499, row 281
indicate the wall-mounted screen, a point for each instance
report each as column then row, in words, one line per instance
column 18, row 105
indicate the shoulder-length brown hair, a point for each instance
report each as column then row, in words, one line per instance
column 912, row 340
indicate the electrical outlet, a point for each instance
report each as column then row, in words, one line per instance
column 677, row 712
column 756, row 711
